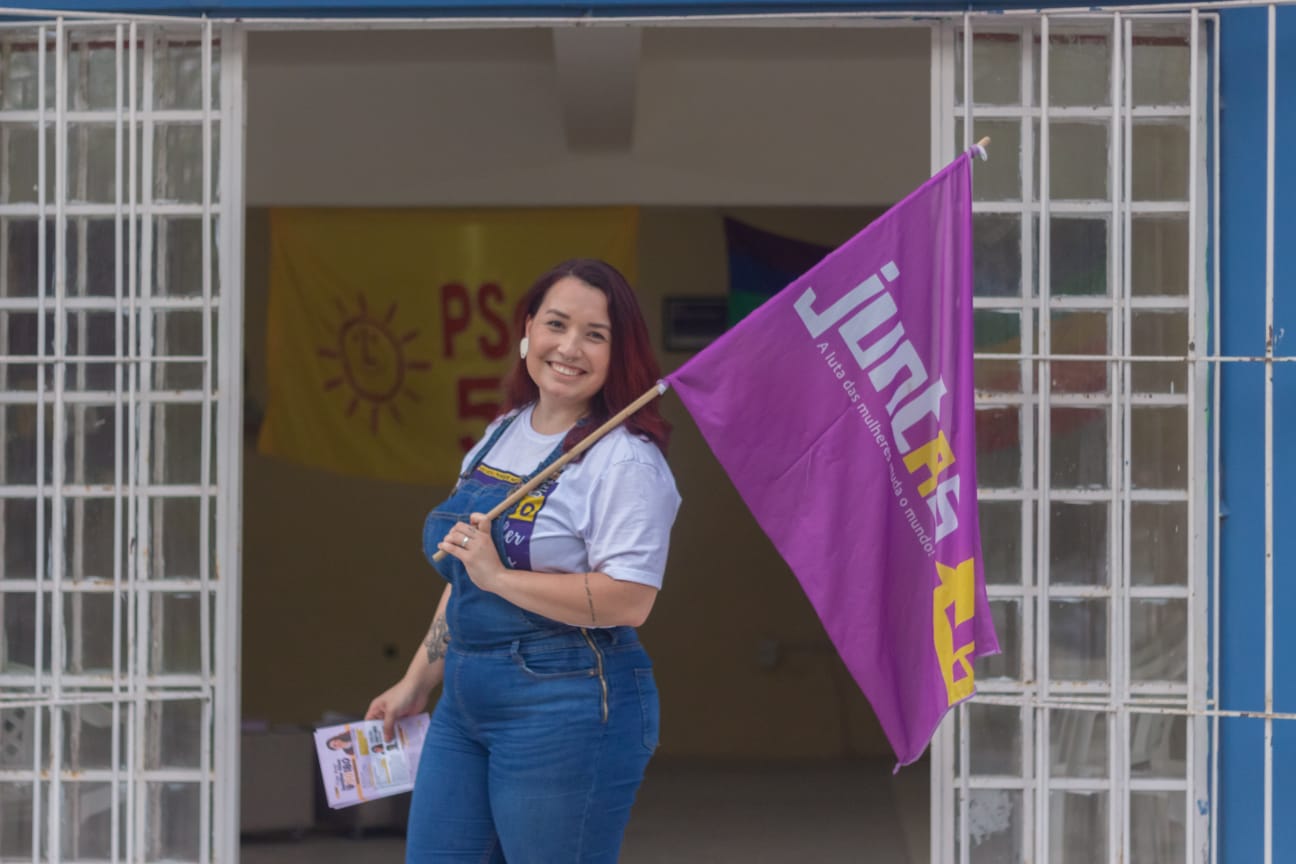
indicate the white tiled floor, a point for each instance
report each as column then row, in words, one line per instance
column 691, row 813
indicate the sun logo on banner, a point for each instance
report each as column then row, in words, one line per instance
column 373, row 363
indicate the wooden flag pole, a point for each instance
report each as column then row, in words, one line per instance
column 590, row 440
column 584, row 444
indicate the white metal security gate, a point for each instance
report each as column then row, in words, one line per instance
column 120, row 358
column 1088, row 743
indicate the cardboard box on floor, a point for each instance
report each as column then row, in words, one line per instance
column 281, row 791
column 277, row 781
column 386, row 815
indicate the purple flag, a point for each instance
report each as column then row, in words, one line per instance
column 842, row 409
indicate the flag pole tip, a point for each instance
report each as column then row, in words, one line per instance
column 980, row 148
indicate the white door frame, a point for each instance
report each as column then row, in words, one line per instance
column 156, row 673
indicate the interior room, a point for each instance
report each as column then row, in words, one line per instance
column 769, row 752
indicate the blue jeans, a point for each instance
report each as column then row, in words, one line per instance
column 535, row 751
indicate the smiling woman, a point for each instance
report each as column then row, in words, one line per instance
column 566, row 352
column 551, row 698
column 631, row 367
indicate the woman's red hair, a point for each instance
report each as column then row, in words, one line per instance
column 632, row 368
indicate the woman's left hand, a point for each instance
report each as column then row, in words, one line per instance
column 472, row 545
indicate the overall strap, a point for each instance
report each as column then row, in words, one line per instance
column 486, row 448
column 553, row 456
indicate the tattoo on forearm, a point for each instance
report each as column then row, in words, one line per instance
column 438, row 638
column 589, row 595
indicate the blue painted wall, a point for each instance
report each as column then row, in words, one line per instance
column 1243, row 54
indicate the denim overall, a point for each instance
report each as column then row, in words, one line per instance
column 540, row 738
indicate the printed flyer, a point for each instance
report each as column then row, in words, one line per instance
column 358, row 765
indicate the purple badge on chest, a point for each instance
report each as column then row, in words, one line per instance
column 516, row 526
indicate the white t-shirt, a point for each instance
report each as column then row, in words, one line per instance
column 611, row 512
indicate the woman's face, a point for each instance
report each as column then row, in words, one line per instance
column 570, row 344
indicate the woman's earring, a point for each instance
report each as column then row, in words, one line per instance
column 523, row 346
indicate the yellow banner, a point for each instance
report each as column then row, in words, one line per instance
column 389, row 330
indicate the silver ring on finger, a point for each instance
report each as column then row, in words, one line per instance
column 464, row 544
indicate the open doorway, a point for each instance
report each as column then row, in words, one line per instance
column 766, row 740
